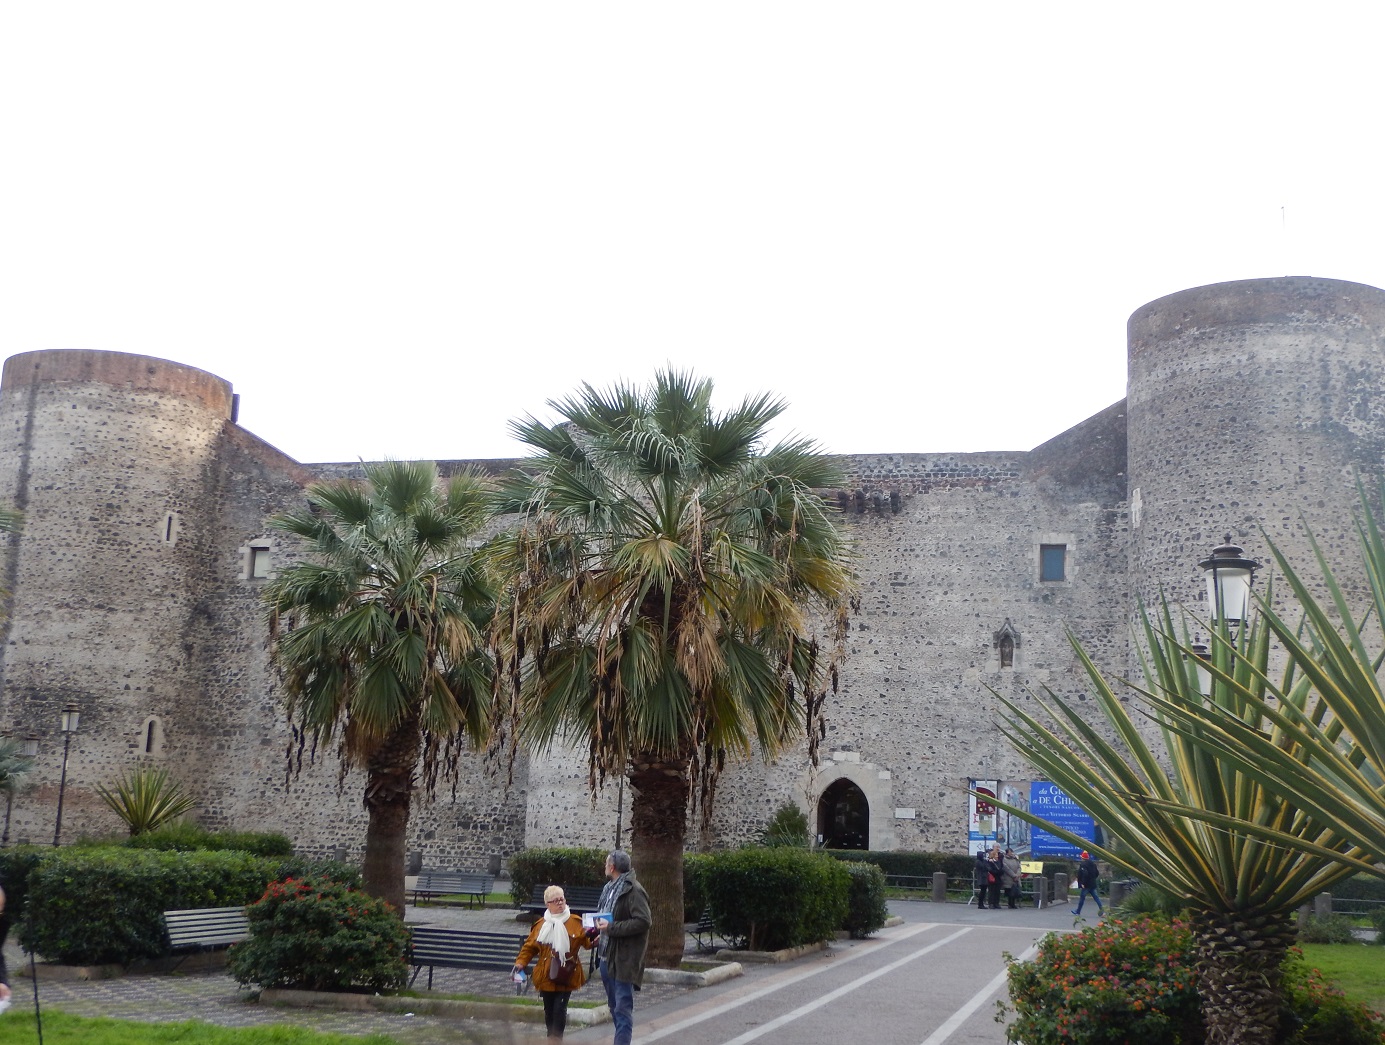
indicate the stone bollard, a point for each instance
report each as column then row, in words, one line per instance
column 1305, row 915
column 493, row 865
column 413, row 863
column 1040, row 891
column 1322, row 905
column 940, row 887
column 1060, row 887
column 1119, row 889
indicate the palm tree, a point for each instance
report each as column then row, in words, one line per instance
column 1226, row 842
column 380, row 639
column 664, row 574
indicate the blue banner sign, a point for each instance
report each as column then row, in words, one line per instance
column 1049, row 801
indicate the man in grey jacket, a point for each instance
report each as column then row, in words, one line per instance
column 623, row 941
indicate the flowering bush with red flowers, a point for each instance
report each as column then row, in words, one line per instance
column 317, row 934
column 1128, row 981
column 1133, row 981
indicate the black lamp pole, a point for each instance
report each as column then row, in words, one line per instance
column 71, row 713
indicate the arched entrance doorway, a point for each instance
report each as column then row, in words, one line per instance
column 844, row 816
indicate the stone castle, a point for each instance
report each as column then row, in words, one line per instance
column 134, row 585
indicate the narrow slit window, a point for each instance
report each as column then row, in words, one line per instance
column 259, row 563
column 1053, row 562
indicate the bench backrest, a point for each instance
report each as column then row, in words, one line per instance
column 581, row 899
column 455, row 881
column 458, row 948
column 206, row 926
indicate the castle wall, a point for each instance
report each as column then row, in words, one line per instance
column 1252, row 404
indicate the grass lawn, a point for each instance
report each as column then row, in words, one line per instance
column 1357, row 968
column 17, row 1028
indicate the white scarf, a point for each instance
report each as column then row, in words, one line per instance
column 554, row 932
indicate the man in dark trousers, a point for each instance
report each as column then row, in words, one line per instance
column 1087, row 876
column 623, row 941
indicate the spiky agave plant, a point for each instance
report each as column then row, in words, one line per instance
column 1240, row 887
column 146, row 798
column 1335, row 765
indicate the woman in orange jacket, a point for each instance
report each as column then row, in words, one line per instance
column 557, row 935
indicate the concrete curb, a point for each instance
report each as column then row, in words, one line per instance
column 719, row 973
column 455, row 1008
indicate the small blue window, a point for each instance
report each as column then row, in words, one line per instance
column 1053, row 561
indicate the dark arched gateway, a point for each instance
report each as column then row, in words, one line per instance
column 844, row 817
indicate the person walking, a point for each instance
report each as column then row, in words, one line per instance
column 1087, row 877
column 1010, row 877
column 623, row 940
column 555, row 940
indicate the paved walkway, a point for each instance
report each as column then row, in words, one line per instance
column 904, row 985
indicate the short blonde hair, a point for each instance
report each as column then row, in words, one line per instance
column 553, row 892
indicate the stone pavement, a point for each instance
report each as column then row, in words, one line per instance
column 215, row 997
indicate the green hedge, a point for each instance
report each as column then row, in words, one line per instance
column 695, row 869
column 914, row 864
column 565, row 866
column 16, row 865
column 97, row 906
column 777, row 898
column 187, row 838
column 865, row 908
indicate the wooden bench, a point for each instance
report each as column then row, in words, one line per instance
column 206, row 928
column 475, row 887
column 438, row 945
column 581, row 899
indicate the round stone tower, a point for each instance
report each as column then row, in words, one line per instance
column 108, row 455
column 1252, row 405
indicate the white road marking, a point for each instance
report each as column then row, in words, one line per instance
column 717, row 1008
column 977, row 1000
column 832, row 996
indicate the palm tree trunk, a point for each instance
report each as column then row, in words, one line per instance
column 658, row 826
column 389, row 787
column 1239, row 971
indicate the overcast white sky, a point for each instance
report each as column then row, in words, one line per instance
column 394, row 227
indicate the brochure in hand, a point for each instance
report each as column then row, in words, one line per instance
column 589, row 920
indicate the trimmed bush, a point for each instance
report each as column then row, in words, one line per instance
column 1124, row 981
column 913, row 864
column 776, row 898
column 557, row 865
column 98, row 906
column 1335, row 928
column 187, row 838
column 865, row 907
column 695, row 869
column 318, row 935
column 16, row 866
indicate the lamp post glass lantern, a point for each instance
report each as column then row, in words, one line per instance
column 70, row 716
column 1229, row 574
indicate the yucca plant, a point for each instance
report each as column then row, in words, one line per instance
column 146, row 798
column 1182, row 818
column 1334, row 766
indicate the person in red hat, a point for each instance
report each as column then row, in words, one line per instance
column 1087, row 878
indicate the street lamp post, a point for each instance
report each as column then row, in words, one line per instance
column 71, row 713
column 1229, row 574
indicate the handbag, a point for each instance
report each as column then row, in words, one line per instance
column 561, row 972
column 990, row 878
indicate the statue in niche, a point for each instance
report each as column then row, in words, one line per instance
column 1007, row 640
